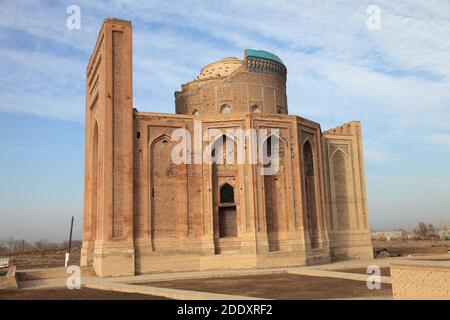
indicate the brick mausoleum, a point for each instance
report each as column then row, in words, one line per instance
column 143, row 213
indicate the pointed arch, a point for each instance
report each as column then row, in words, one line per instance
column 160, row 138
column 340, row 189
column 95, row 192
column 225, row 109
column 265, row 145
column 163, row 191
column 308, row 158
column 224, row 172
column 220, row 149
column 274, row 190
column 344, row 154
column 226, row 193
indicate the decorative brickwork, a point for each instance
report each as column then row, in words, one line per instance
column 144, row 213
column 421, row 280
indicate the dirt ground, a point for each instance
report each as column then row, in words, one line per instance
column 280, row 286
column 398, row 248
column 42, row 259
column 65, row 294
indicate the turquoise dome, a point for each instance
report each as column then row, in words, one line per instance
column 261, row 54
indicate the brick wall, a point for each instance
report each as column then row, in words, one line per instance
column 421, row 280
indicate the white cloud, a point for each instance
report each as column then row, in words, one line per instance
column 377, row 153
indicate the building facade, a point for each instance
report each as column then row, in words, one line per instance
column 145, row 213
column 389, row 235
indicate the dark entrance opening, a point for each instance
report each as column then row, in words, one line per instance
column 227, row 222
column 227, row 212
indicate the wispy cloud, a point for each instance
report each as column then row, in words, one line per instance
column 379, row 153
column 401, row 71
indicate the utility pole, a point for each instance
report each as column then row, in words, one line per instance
column 70, row 236
column 70, row 243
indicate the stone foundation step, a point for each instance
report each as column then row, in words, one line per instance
column 49, row 273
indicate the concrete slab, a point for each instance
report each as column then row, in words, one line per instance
column 334, row 274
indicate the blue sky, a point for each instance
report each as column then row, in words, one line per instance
column 395, row 80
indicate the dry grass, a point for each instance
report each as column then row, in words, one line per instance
column 42, row 259
column 398, row 248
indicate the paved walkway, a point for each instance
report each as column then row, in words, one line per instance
column 168, row 276
column 382, row 263
column 43, row 284
column 105, row 284
column 335, row 274
column 102, row 284
column 130, row 284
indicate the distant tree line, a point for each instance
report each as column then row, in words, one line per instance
column 12, row 245
column 425, row 231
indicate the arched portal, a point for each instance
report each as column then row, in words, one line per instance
column 275, row 192
column 341, row 190
column 95, row 163
column 312, row 221
column 163, row 193
column 224, row 180
column 226, row 193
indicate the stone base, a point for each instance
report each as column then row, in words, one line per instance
column 350, row 245
column 160, row 262
column 114, row 261
column 352, row 253
column 87, row 254
column 318, row 256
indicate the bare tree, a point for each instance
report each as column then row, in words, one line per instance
column 425, row 231
column 42, row 244
column 421, row 231
column 404, row 233
column 3, row 246
column 10, row 242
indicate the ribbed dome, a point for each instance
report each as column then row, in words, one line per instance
column 221, row 68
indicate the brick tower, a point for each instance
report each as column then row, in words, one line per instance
column 108, row 199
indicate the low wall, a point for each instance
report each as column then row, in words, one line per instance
column 421, row 280
column 9, row 281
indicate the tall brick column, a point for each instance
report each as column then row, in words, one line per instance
column 348, row 225
column 108, row 210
